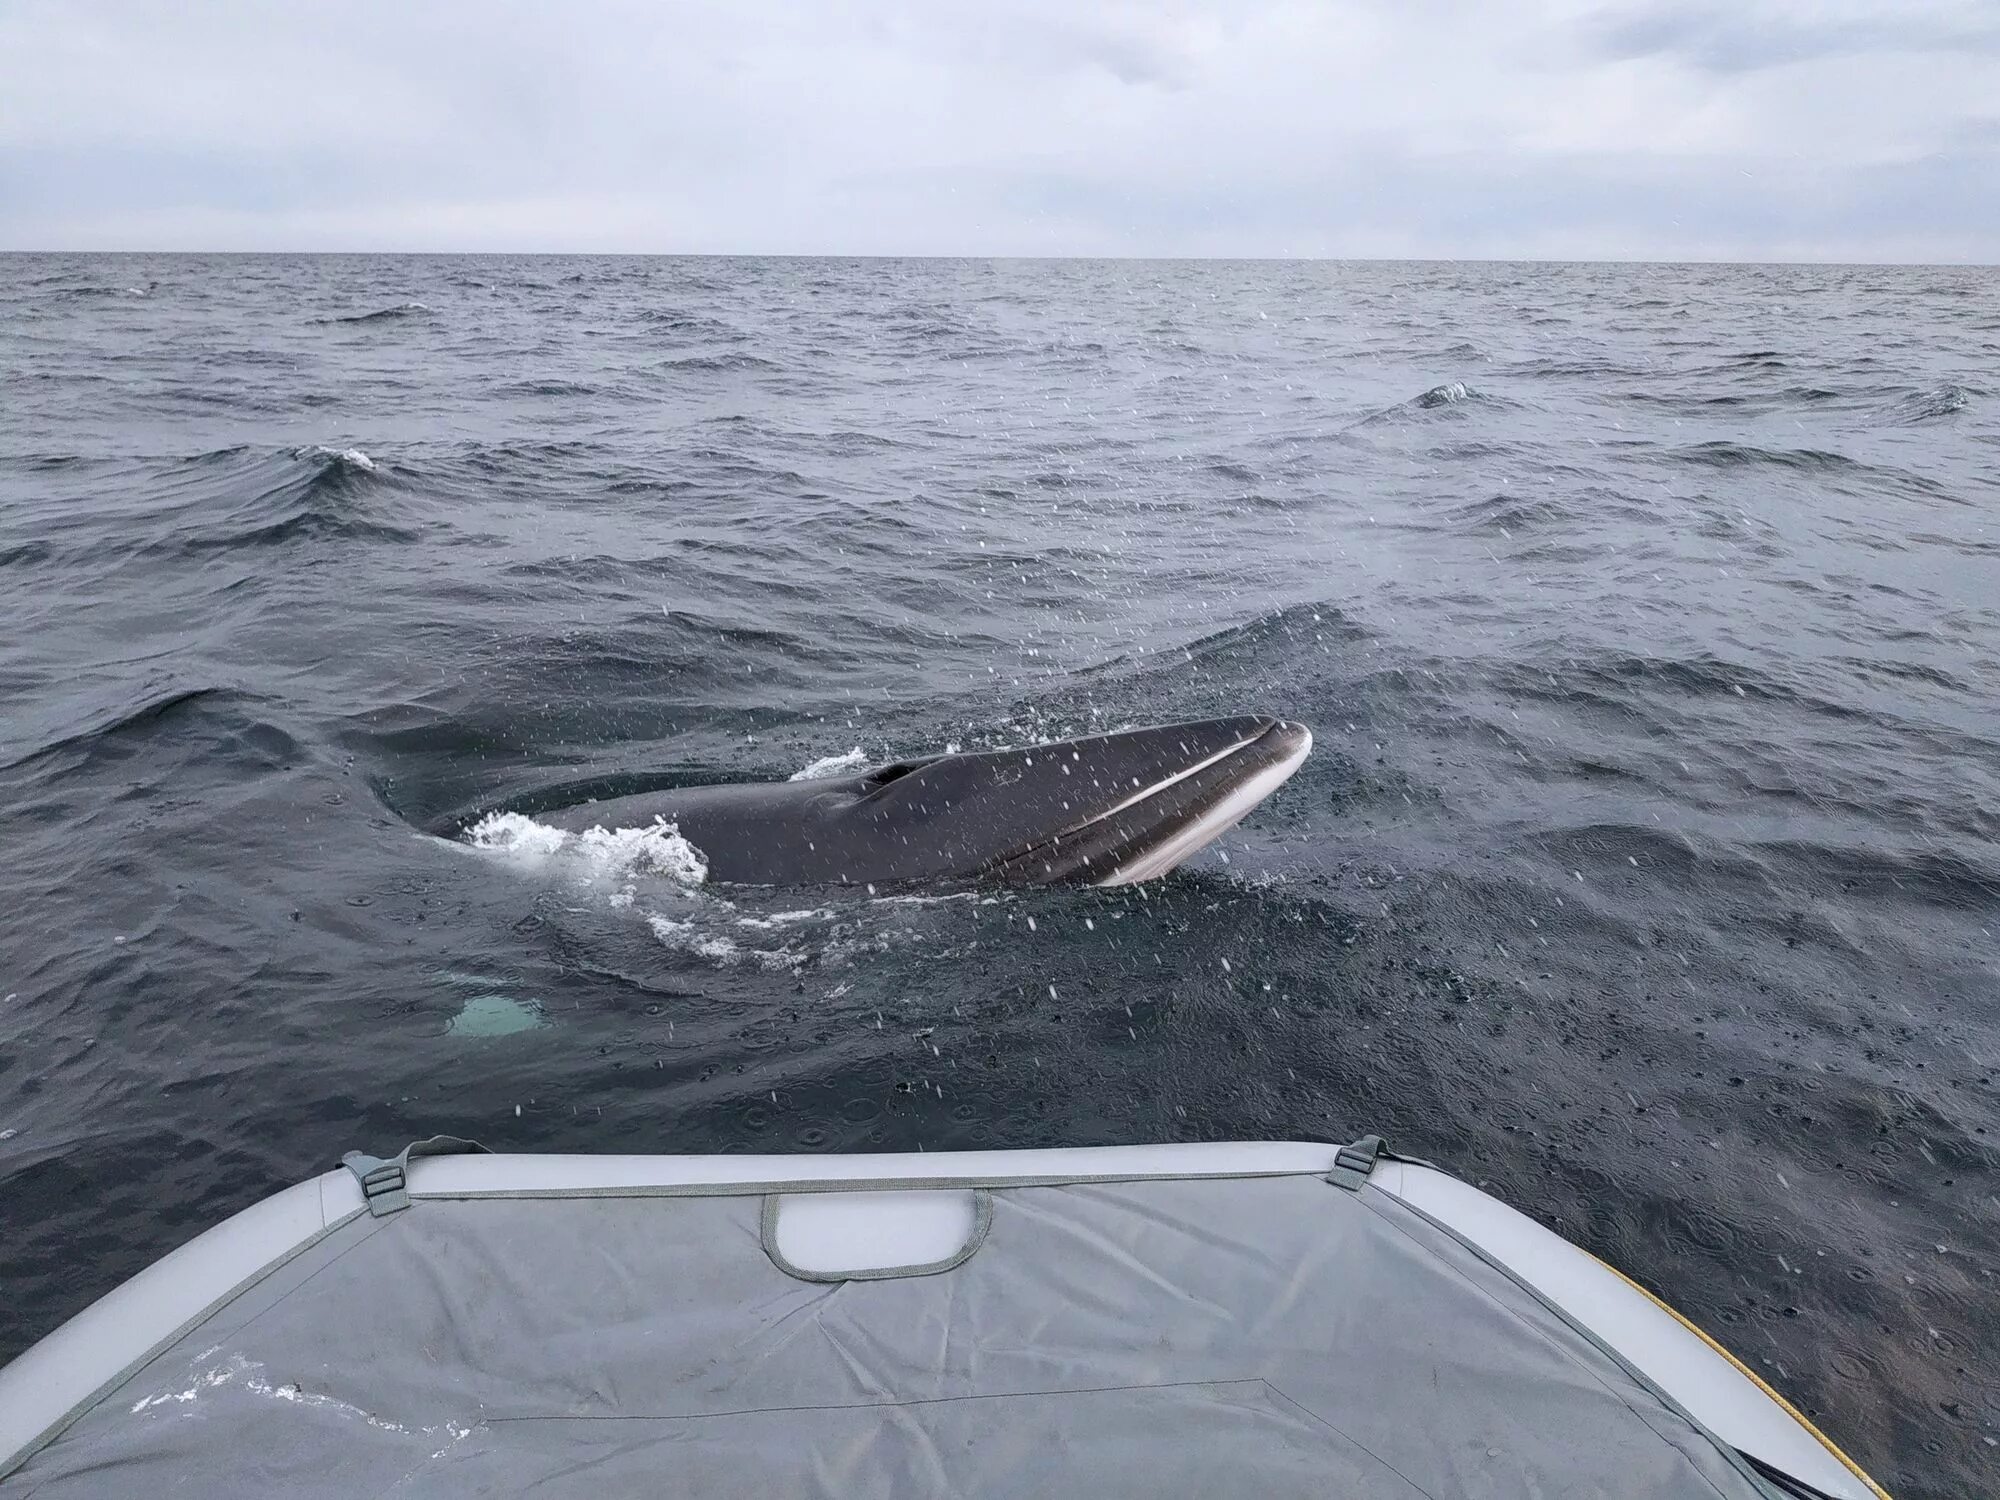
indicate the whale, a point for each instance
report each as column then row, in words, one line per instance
column 1106, row 809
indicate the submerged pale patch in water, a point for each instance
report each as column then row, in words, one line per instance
column 495, row 1015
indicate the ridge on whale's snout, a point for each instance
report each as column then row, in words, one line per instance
column 1106, row 809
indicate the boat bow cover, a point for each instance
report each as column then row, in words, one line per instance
column 1272, row 1335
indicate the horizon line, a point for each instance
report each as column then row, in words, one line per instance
column 1492, row 260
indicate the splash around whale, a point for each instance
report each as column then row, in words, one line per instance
column 1109, row 809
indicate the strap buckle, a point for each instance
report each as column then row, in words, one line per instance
column 385, row 1183
column 385, row 1187
column 1353, row 1162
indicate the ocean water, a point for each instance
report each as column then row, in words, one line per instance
column 1646, row 871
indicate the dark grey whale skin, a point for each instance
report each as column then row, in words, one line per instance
column 1037, row 815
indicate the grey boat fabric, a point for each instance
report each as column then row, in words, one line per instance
column 1258, row 1336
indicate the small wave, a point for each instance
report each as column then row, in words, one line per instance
column 305, row 526
column 1618, row 680
column 1299, row 624
column 124, row 720
column 1698, row 404
column 88, row 293
column 512, row 458
column 1570, row 366
column 159, row 728
column 348, row 458
column 721, row 363
column 847, row 442
column 1725, row 455
column 383, row 314
column 214, row 457
column 1952, row 878
column 928, row 331
column 1507, row 514
column 1449, row 394
column 596, row 854
column 708, row 629
column 674, row 321
column 268, row 499
column 1240, row 473
column 546, row 388
column 1929, row 405
column 832, row 765
column 1906, row 671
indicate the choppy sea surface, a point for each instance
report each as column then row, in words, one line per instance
column 1646, row 872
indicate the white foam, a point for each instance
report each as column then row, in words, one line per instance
column 1449, row 394
column 782, row 919
column 352, row 458
column 686, row 937
column 832, row 765
column 512, row 833
column 608, row 854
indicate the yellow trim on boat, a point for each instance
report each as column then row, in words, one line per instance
column 1755, row 1379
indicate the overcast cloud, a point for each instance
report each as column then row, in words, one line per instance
column 1763, row 129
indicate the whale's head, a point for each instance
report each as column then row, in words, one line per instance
column 1110, row 809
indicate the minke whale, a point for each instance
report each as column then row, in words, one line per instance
column 1109, row 809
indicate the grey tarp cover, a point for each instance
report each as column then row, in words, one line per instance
column 1263, row 1336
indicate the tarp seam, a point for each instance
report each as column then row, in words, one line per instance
column 1344, row 1436
column 765, row 1411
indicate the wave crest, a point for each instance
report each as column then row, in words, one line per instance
column 721, row 363
column 1929, row 405
column 345, row 458
column 383, row 314
column 1449, row 394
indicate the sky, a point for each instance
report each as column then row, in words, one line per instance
column 1828, row 130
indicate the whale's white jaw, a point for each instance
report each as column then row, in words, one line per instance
column 1210, row 824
